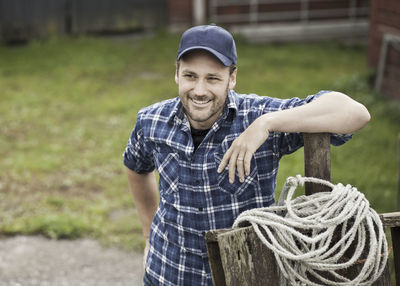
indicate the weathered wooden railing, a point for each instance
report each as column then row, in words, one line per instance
column 238, row 257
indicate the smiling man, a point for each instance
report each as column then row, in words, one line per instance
column 203, row 87
column 217, row 153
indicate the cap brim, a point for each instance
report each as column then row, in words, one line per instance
column 225, row 61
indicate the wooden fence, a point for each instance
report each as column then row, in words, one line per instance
column 120, row 15
column 259, row 11
column 21, row 20
column 238, row 257
column 24, row 19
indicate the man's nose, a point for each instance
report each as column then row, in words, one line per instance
column 200, row 88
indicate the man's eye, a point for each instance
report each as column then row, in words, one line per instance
column 213, row 78
column 189, row 76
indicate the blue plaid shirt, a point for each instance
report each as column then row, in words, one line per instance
column 194, row 198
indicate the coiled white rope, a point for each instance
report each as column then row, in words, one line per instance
column 310, row 236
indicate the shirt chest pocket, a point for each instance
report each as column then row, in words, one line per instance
column 250, row 183
column 167, row 164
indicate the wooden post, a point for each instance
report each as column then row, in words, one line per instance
column 317, row 160
column 392, row 220
column 395, row 231
column 398, row 177
column 199, row 12
column 317, row 163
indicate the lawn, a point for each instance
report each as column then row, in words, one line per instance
column 68, row 106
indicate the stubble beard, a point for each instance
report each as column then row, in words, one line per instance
column 214, row 109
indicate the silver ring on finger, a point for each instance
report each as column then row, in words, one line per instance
column 240, row 159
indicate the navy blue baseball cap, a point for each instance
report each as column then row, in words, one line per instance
column 211, row 38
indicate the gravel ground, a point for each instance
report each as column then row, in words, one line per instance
column 32, row 260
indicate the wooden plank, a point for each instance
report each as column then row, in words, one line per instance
column 214, row 258
column 246, row 260
column 384, row 280
column 317, row 160
column 390, row 219
column 296, row 31
column 395, row 231
column 212, row 235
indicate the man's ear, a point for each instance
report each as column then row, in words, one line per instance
column 176, row 75
column 232, row 79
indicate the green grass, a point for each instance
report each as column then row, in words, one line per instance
column 68, row 106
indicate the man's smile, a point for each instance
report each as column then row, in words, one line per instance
column 200, row 103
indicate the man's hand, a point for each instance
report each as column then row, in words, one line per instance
column 145, row 252
column 242, row 149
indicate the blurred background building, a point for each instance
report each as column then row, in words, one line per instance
column 278, row 20
column 376, row 22
column 384, row 46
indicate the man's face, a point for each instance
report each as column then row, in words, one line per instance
column 203, row 83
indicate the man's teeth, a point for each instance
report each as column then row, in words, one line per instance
column 200, row 101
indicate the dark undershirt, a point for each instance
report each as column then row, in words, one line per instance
column 198, row 136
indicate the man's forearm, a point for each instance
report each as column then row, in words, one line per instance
column 333, row 112
column 144, row 191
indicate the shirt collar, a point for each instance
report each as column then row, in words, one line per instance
column 177, row 114
column 232, row 105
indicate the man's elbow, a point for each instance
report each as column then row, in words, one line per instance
column 358, row 113
column 363, row 115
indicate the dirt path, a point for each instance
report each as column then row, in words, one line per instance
column 31, row 261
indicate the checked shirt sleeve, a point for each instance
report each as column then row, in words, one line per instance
column 287, row 143
column 137, row 155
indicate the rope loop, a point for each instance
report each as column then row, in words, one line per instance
column 315, row 238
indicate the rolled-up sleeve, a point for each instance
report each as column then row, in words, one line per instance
column 287, row 143
column 137, row 155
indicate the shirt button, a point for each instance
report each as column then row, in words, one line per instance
column 200, row 209
column 197, row 182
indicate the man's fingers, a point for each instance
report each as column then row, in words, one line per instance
column 232, row 167
column 247, row 163
column 240, row 167
column 236, row 157
column 224, row 160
